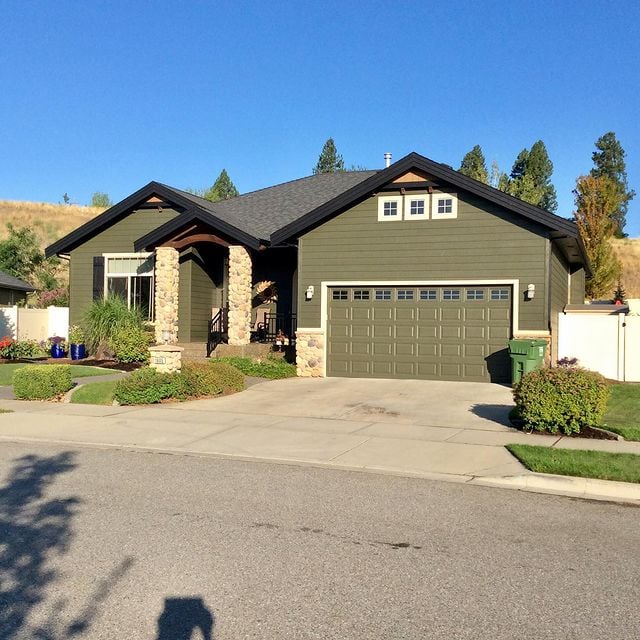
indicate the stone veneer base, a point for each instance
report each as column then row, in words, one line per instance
column 166, row 358
column 310, row 353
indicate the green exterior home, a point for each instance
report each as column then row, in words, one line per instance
column 413, row 271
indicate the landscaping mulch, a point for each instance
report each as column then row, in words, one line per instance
column 592, row 433
column 88, row 362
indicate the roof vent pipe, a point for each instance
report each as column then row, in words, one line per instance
column 387, row 159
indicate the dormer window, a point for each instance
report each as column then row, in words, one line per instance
column 390, row 208
column 416, row 207
column 444, row 205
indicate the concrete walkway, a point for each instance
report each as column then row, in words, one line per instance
column 408, row 427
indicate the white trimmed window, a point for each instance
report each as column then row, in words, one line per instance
column 130, row 276
column 390, row 208
column 444, row 205
column 416, row 207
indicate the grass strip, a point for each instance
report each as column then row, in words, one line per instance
column 271, row 368
column 623, row 410
column 94, row 393
column 604, row 465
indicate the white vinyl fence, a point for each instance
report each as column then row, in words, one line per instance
column 20, row 323
column 605, row 341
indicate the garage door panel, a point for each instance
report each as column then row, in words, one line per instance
column 448, row 331
column 430, row 338
column 361, row 331
column 339, row 313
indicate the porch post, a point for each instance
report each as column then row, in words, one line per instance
column 240, row 290
column 167, row 279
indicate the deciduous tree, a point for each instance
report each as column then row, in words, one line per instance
column 100, row 199
column 597, row 199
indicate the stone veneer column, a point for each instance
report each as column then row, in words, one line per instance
column 240, row 296
column 167, row 280
column 310, row 353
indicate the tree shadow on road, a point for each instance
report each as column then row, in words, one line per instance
column 33, row 530
column 182, row 616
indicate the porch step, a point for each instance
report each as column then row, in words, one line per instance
column 252, row 350
column 193, row 350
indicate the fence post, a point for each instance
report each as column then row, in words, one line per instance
column 622, row 339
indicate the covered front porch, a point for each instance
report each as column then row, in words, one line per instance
column 211, row 290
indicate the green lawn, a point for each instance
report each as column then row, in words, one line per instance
column 271, row 368
column 624, row 467
column 77, row 371
column 95, row 393
column 623, row 410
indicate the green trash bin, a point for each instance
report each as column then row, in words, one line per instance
column 526, row 355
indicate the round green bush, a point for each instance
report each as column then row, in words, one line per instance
column 148, row 386
column 229, row 378
column 42, row 382
column 562, row 399
column 202, row 380
column 130, row 345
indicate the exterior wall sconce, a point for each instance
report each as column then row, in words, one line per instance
column 308, row 294
column 531, row 291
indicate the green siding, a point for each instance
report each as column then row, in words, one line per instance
column 184, row 300
column 559, row 295
column 202, row 297
column 576, row 293
column 118, row 238
column 483, row 242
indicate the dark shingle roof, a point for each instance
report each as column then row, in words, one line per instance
column 11, row 282
column 262, row 212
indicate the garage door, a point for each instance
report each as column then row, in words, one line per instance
column 439, row 333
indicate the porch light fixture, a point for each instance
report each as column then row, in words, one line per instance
column 531, row 291
column 308, row 294
column 166, row 336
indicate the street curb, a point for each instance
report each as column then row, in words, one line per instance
column 569, row 486
column 590, row 488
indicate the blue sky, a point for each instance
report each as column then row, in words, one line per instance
column 105, row 96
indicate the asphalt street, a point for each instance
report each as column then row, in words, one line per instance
column 113, row 544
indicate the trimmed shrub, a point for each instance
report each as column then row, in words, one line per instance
column 202, row 379
column 148, row 386
column 229, row 378
column 42, row 382
column 271, row 368
column 130, row 345
column 564, row 399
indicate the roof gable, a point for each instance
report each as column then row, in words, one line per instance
column 404, row 171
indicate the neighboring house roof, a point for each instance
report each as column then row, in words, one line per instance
column 11, row 282
column 283, row 212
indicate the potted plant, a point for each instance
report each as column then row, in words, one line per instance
column 57, row 345
column 76, row 339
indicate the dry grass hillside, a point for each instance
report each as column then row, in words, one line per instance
column 49, row 221
column 628, row 252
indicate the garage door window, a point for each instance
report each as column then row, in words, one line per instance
column 451, row 294
column 361, row 294
column 383, row 294
column 499, row 294
column 340, row 294
column 405, row 294
column 428, row 294
column 475, row 294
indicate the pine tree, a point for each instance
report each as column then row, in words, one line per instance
column 597, row 198
column 530, row 178
column 609, row 161
column 619, row 295
column 222, row 189
column 329, row 160
column 474, row 166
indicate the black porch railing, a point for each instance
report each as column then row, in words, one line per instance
column 217, row 330
column 276, row 325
